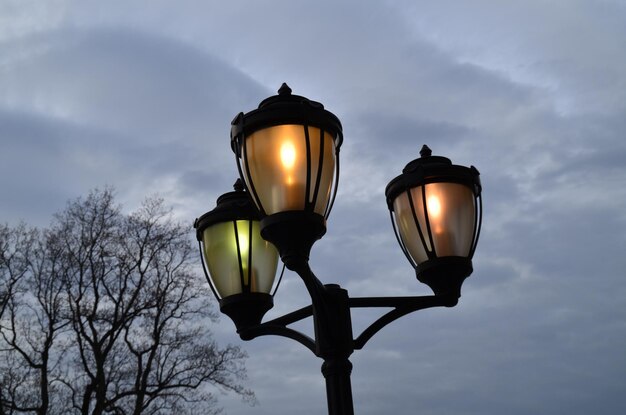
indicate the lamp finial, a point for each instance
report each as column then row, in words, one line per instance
column 284, row 89
column 238, row 186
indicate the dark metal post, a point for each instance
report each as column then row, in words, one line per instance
column 334, row 343
column 338, row 386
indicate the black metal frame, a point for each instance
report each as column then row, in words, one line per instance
column 277, row 228
column 330, row 307
column 333, row 339
column 294, row 233
column 246, row 308
column 439, row 273
column 281, row 109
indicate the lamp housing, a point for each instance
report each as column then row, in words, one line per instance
column 287, row 153
column 436, row 213
column 240, row 266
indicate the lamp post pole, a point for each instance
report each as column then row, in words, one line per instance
column 288, row 157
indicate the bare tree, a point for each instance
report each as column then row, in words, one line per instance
column 15, row 246
column 107, row 316
column 33, row 321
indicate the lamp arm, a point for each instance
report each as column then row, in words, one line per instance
column 316, row 289
column 330, row 309
column 331, row 315
column 292, row 317
column 402, row 306
column 267, row 329
column 278, row 327
column 321, row 305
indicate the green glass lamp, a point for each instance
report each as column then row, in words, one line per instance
column 240, row 266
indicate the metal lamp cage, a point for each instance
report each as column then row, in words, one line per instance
column 296, row 111
column 420, row 173
column 236, row 209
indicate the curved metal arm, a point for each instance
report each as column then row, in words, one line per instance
column 292, row 317
column 331, row 318
column 402, row 306
column 330, row 309
column 267, row 329
column 278, row 327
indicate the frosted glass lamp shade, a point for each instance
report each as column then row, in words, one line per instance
column 288, row 154
column 450, row 210
column 238, row 259
column 436, row 213
column 291, row 167
column 240, row 266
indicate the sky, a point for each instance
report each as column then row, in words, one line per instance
column 139, row 95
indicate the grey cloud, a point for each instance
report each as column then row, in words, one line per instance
column 90, row 104
column 142, row 98
column 128, row 81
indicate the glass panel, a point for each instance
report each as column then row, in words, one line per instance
column 220, row 252
column 328, row 168
column 408, row 228
column 277, row 165
column 451, row 208
column 264, row 261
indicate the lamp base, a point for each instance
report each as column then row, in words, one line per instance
column 293, row 233
column 246, row 309
column 445, row 275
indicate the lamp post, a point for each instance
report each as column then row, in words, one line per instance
column 287, row 153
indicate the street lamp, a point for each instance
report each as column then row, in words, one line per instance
column 241, row 265
column 287, row 153
column 436, row 212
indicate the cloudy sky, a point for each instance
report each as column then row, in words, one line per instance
column 139, row 95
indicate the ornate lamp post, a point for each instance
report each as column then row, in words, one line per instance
column 287, row 153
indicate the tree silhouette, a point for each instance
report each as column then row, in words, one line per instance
column 102, row 313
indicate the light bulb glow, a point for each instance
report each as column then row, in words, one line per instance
column 434, row 206
column 288, row 155
column 244, row 243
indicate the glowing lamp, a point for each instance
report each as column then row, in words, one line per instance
column 239, row 265
column 287, row 152
column 436, row 212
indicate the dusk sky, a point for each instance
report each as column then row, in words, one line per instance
column 139, row 95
